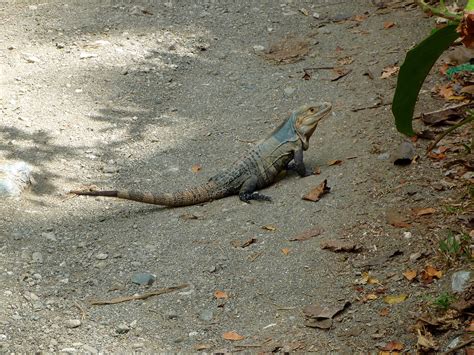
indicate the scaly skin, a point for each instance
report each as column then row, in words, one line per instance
column 282, row 149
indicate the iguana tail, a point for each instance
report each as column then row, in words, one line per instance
column 199, row 194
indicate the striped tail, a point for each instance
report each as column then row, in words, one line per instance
column 199, row 194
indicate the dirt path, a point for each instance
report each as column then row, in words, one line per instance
column 122, row 95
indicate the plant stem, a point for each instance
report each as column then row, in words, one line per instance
column 449, row 130
column 440, row 11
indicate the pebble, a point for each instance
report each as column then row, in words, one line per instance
column 85, row 55
column 193, row 334
column 143, row 278
column 72, row 323
column 31, row 58
column 69, row 350
column 415, row 256
column 289, row 91
column 206, row 315
column 325, row 31
column 316, row 15
column 138, row 345
column 171, row 315
column 3, row 337
column 49, row 236
column 89, row 349
column 102, row 256
column 258, row 48
column 110, row 169
column 122, row 328
column 460, row 281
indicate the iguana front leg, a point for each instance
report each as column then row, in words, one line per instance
column 247, row 191
column 298, row 165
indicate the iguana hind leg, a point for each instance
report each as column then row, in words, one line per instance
column 247, row 191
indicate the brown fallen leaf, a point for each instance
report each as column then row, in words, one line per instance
column 317, row 170
column 269, row 227
column 435, row 156
column 200, row 347
column 394, row 346
column 233, row 336
column 468, row 90
column 423, row 211
column 308, row 234
column 340, row 245
column 394, row 299
column 221, row 295
column 289, row 49
column 410, row 274
column 388, row 24
column 318, row 316
column 449, row 115
column 395, row 219
column 384, row 312
column 243, row 243
column 345, row 60
column 340, row 73
column 306, row 75
column 316, row 193
column 426, row 342
column 334, row 162
column 389, row 71
column 285, row 251
column 370, row 297
column 359, row 18
column 429, row 273
column 196, row 168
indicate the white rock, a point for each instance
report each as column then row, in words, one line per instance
column 72, row 323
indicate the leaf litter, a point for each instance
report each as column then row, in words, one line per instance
column 317, row 192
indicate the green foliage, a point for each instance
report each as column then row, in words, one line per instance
column 455, row 246
column 417, row 65
column 443, row 301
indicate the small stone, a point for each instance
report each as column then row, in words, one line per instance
column 86, row 55
column 122, row 328
column 89, row 349
column 289, row 91
column 325, row 31
column 37, row 257
column 415, row 256
column 258, row 48
column 206, row 315
column 460, row 281
column 143, row 278
column 138, row 345
column 69, row 350
column 31, row 58
column 49, row 236
column 407, row 235
column 102, row 256
column 3, row 337
column 60, row 45
column 72, row 323
column 316, row 15
column 468, row 176
column 193, row 334
column 171, row 315
column 110, row 169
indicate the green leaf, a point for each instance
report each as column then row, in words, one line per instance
column 417, row 65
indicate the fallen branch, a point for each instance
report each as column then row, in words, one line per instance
column 449, row 130
column 143, row 296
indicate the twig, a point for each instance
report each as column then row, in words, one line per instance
column 318, row 68
column 83, row 312
column 453, row 107
column 449, row 130
column 143, row 296
column 438, row 11
column 370, row 107
column 460, row 346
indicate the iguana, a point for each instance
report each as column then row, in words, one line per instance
column 282, row 149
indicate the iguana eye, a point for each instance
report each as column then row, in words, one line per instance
column 311, row 110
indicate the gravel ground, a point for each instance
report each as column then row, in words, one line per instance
column 122, row 94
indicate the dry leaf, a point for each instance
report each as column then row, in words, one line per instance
column 388, row 24
column 317, row 170
column 384, row 312
column 423, row 211
column 200, row 347
column 371, row 297
column 435, row 156
column 340, row 245
column 306, row 76
column 394, row 346
column 359, row 18
column 396, row 219
column 285, row 251
column 432, row 272
column 316, row 193
column 340, row 73
column 367, row 279
column 410, row 274
column 269, row 227
column 308, row 234
column 243, row 243
column 221, row 295
column 196, row 168
column 466, row 29
column 426, row 342
column 468, row 90
column 345, row 60
column 334, row 162
column 304, row 12
column 389, row 71
column 232, row 336
column 289, row 49
column 394, row 299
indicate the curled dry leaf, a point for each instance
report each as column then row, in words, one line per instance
column 429, row 273
column 395, row 219
column 289, row 49
column 384, row 312
column 394, row 299
column 389, row 71
column 269, row 227
column 243, row 243
column 426, row 342
column 221, row 295
column 316, row 193
column 410, row 274
column 318, row 316
column 370, row 297
column 423, row 211
column 340, row 73
column 334, row 162
column 466, row 29
column 340, row 245
column 233, row 336
column 308, row 234
column 285, row 251
column 367, row 279
column 394, row 346
column 388, row 24
column 200, row 347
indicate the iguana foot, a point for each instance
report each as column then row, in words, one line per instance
column 247, row 197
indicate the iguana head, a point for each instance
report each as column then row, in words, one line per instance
column 307, row 118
